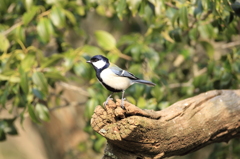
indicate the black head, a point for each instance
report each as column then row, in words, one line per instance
column 99, row 62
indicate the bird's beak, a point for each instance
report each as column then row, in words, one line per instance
column 89, row 62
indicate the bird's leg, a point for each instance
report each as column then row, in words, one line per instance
column 108, row 98
column 122, row 104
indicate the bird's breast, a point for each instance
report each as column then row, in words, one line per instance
column 115, row 81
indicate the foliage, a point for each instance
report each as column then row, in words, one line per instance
column 185, row 47
column 222, row 151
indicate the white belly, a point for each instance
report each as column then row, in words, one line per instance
column 115, row 81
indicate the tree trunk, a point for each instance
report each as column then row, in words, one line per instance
column 184, row 127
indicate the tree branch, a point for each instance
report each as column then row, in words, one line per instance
column 184, row 127
column 9, row 30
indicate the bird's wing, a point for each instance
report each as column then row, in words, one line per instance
column 120, row 72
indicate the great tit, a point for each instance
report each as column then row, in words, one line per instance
column 114, row 78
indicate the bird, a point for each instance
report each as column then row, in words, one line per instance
column 114, row 78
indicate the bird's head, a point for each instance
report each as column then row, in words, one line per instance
column 99, row 61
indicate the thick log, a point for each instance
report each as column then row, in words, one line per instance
column 184, row 127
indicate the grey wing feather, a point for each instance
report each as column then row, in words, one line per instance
column 120, row 72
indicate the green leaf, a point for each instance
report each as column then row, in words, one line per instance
column 20, row 33
column 70, row 16
column 199, row 81
column 57, row 16
column 14, row 79
column 51, row 61
column 92, row 50
column 28, row 4
column 45, row 29
column 209, row 48
column 176, row 34
column 139, row 88
column 91, row 104
column 207, row 31
column 131, row 100
column 98, row 145
column 142, row 8
column 82, row 69
column 147, row 10
column 28, row 62
column 112, row 57
column 24, row 81
column 20, row 100
column 199, row 8
column 157, row 93
column 4, row 94
column 40, row 80
column 105, row 40
column 82, row 146
column 133, row 6
column 210, row 67
column 32, row 113
column 29, row 15
column 51, row 2
column 80, row 10
column 68, row 62
column 55, row 76
column 42, row 112
column 4, row 43
column 120, row 8
column 163, row 105
column 6, row 65
column 194, row 34
column 141, row 103
column 4, row 78
column 174, row 19
column 184, row 17
column 38, row 93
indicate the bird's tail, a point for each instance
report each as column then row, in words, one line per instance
column 144, row 82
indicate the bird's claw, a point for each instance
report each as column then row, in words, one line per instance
column 106, row 102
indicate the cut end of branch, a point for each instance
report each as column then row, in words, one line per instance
column 184, row 127
column 113, row 112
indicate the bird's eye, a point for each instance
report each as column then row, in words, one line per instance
column 94, row 60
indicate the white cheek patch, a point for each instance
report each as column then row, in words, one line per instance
column 99, row 64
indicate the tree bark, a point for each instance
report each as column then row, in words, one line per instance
column 184, row 127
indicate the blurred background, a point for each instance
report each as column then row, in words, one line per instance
column 48, row 91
